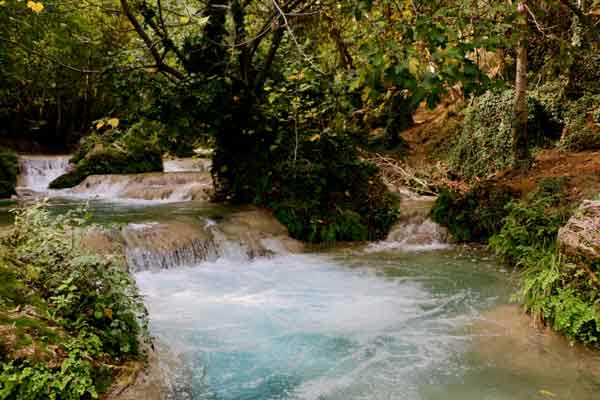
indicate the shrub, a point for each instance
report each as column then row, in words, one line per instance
column 331, row 195
column 532, row 225
column 85, row 311
column 553, row 289
column 137, row 158
column 475, row 215
column 485, row 143
column 9, row 171
column 582, row 124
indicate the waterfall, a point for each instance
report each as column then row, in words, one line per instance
column 187, row 165
column 38, row 171
column 167, row 187
column 414, row 231
column 179, row 243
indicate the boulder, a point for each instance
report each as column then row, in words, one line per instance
column 580, row 237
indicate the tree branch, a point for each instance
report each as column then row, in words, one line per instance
column 153, row 51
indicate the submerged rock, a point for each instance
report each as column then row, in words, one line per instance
column 580, row 237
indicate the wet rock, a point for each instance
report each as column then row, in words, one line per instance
column 187, row 165
column 580, row 237
column 173, row 186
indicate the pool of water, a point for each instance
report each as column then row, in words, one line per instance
column 354, row 325
column 346, row 324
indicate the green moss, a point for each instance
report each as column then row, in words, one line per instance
column 139, row 158
column 475, row 215
column 9, row 171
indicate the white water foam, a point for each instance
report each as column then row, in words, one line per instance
column 300, row 327
column 38, row 171
column 420, row 235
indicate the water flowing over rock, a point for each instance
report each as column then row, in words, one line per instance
column 154, row 186
column 414, row 230
column 580, row 237
column 240, row 236
column 187, row 165
column 38, row 171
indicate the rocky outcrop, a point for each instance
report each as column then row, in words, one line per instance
column 580, row 237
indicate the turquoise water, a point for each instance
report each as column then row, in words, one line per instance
column 353, row 325
column 347, row 324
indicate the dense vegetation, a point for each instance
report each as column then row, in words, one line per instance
column 292, row 96
column 9, row 170
column 70, row 321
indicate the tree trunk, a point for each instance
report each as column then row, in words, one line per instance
column 521, row 156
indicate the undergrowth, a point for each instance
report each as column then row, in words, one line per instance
column 69, row 321
column 554, row 289
column 9, row 170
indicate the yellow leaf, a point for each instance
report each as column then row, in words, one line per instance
column 547, row 393
column 35, row 6
column 315, row 137
column 184, row 20
column 114, row 122
column 99, row 124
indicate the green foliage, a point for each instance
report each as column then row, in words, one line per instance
column 531, row 226
column 130, row 154
column 475, row 215
column 582, row 124
column 553, row 290
column 485, row 144
column 9, row 170
column 86, row 308
column 330, row 195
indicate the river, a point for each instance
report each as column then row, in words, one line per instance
column 393, row 320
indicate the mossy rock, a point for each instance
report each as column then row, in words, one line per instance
column 112, row 161
column 476, row 215
column 9, row 171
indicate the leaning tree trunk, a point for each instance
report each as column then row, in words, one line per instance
column 519, row 122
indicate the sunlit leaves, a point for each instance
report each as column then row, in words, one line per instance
column 35, row 6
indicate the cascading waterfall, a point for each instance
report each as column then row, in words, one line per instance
column 415, row 231
column 167, row 187
column 187, row 165
column 38, row 171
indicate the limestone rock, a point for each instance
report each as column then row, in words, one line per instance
column 580, row 237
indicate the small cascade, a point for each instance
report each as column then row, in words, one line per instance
column 156, row 246
column 155, row 186
column 187, row 165
column 165, row 245
column 415, row 231
column 38, row 171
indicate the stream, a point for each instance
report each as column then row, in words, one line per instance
column 249, row 319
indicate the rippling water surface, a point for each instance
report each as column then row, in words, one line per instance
column 371, row 323
column 350, row 325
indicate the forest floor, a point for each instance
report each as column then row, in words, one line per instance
column 430, row 140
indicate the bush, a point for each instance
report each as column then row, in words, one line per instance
column 138, row 158
column 331, row 195
column 553, row 289
column 485, row 143
column 9, row 171
column 582, row 124
column 532, row 225
column 84, row 314
column 475, row 215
